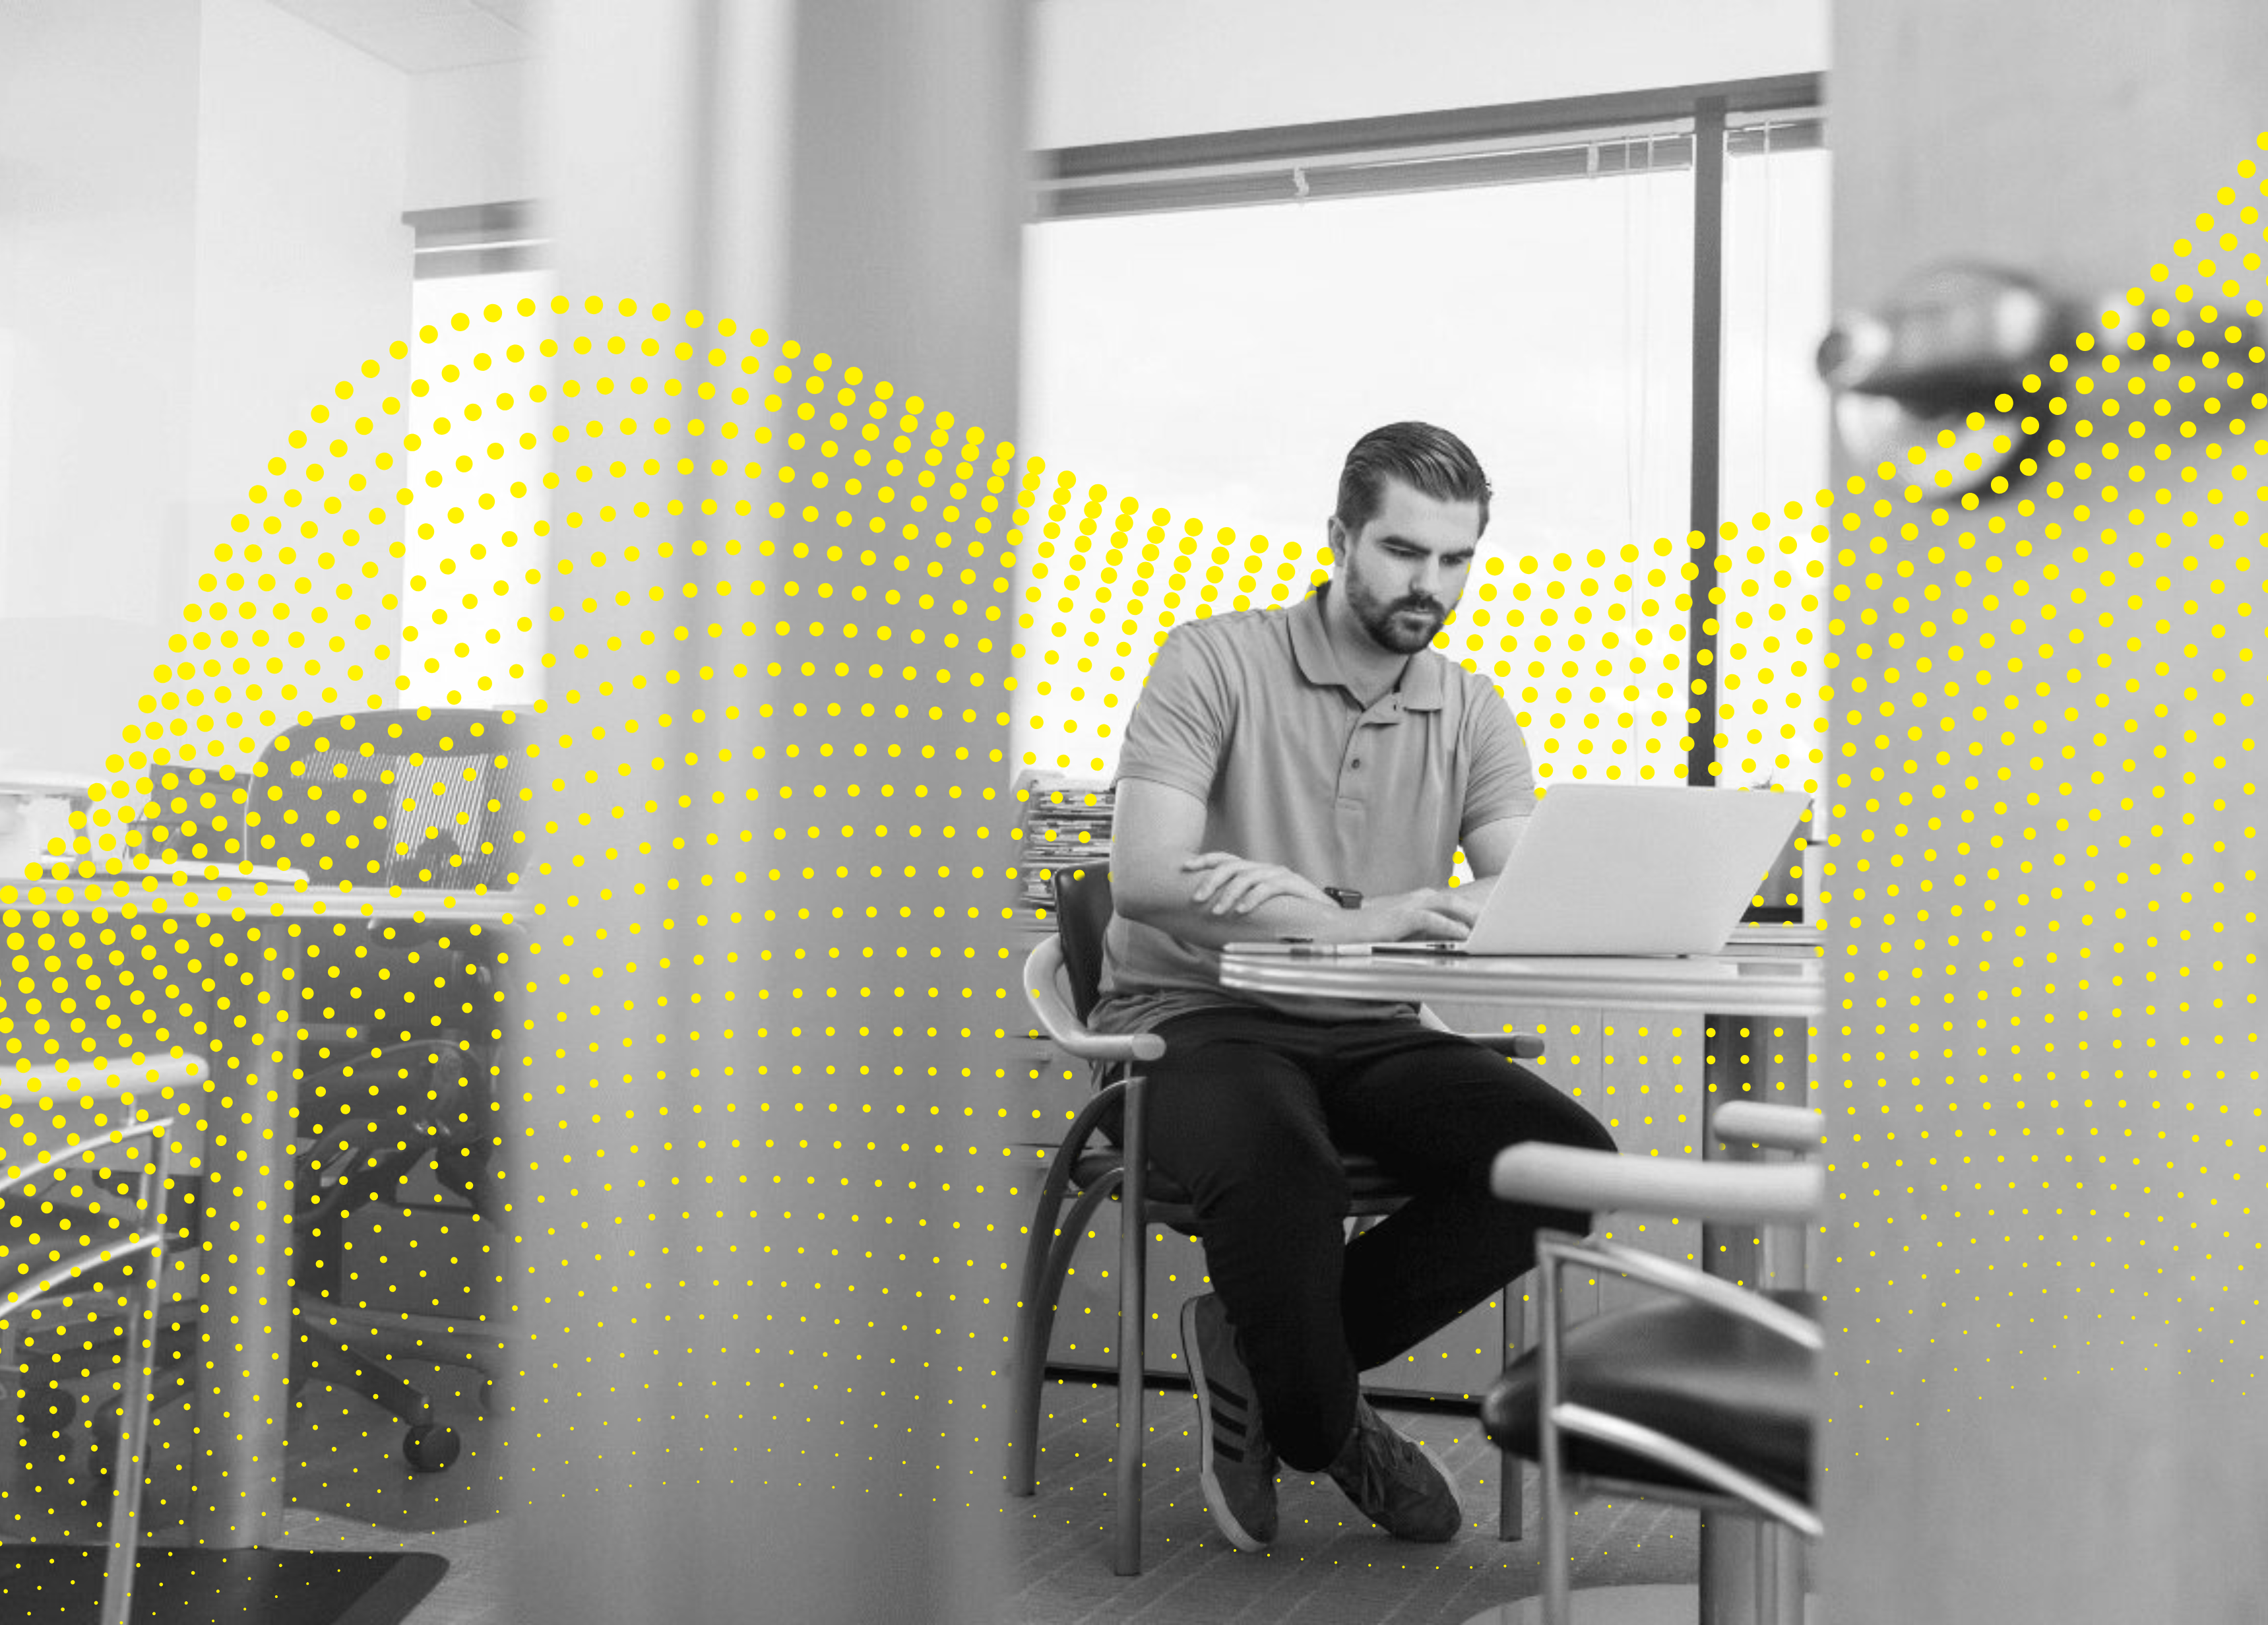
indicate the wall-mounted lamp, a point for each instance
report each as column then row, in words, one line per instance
column 1949, row 342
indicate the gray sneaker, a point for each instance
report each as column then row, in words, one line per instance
column 1400, row 1484
column 1236, row 1463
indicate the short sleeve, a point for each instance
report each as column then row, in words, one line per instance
column 1184, row 718
column 1502, row 781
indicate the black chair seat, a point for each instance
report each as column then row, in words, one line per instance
column 1724, row 1386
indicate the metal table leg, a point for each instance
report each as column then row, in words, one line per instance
column 245, row 1322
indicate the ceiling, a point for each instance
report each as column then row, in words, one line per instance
column 426, row 36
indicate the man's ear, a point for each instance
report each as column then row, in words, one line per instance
column 1336, row 535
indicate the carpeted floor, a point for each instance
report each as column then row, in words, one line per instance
column 348, row 1490
column 1329, row 1566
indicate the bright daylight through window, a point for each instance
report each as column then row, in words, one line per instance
column 1211, row 365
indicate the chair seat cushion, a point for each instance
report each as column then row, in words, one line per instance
column 1724, row 1386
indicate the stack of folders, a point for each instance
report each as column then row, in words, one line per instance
column 1065, row 823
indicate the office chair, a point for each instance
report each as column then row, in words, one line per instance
column 1061, row 979
column 1707, row 1396
column 400, row 1026
column 399, row 1029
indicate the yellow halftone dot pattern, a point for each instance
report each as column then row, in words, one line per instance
column 2041, row 1082
column 1589, row 649
column 772, row 926
column 765, row 810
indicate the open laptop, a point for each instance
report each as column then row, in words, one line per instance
column 1630, row 870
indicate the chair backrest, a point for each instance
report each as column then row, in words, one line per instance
column 408, row 798
column 1082, row 915
column 191, row 815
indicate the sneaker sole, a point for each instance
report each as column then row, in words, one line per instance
column 1442, row 1467
column 1216, row 1501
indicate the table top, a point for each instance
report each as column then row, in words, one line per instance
column 1756, row 976
column 244, row 890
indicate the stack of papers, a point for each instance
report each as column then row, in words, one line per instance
column 1067, row 823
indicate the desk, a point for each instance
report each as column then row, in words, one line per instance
column 251, row 1097
column 1765, row 971
column 1758, row 975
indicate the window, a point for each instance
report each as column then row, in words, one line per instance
column 1772, row 645
column 1206, row 343
column 472, row 621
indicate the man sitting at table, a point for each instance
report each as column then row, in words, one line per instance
column 1312, row 771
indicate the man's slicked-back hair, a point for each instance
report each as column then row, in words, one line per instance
column 1430, row 461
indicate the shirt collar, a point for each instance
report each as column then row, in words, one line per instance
column 1421, row 687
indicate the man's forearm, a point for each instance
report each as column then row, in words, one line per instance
column 1196, row 924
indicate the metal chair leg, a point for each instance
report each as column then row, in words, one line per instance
column 125, row 1529
column 1133, row 1310
column 1047, row 1258
column 1047, row 1262
column 1034, row 1318
column 141, row 1355
column 1555, row 1510
column 1510, row 1512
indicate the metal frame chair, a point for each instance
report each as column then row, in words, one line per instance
column 1088, row 1174
column 35, row 1271
column 1706, row 1398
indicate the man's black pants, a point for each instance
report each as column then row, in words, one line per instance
column 1251, row 1111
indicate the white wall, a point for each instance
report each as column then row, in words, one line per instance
column 200, row 238
column 1134, row 70
column 302, row 156
column 469, row 140
column 98, row 118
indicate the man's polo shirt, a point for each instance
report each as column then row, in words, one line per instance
column 1251, row 713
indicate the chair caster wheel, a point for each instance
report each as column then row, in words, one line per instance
column 430, row 1447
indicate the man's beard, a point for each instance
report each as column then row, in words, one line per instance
column 1405, row 626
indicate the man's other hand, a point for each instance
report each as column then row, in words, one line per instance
column 1235, row 886
column 1436, row 914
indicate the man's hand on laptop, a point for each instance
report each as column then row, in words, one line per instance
column 1435, row 914
column 1235, row 886
column 1230, row 885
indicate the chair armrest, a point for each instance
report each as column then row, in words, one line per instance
column 105, row 1074
column 1043, row 988
column 1777, row 1128
column 1511, row 1046
column 1556, row 1176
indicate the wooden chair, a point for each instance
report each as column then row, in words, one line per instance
column 1061, row 979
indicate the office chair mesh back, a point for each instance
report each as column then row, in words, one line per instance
column 381, row 799
column 399, row 1048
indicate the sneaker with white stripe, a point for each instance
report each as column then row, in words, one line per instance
column 1236, row 1463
